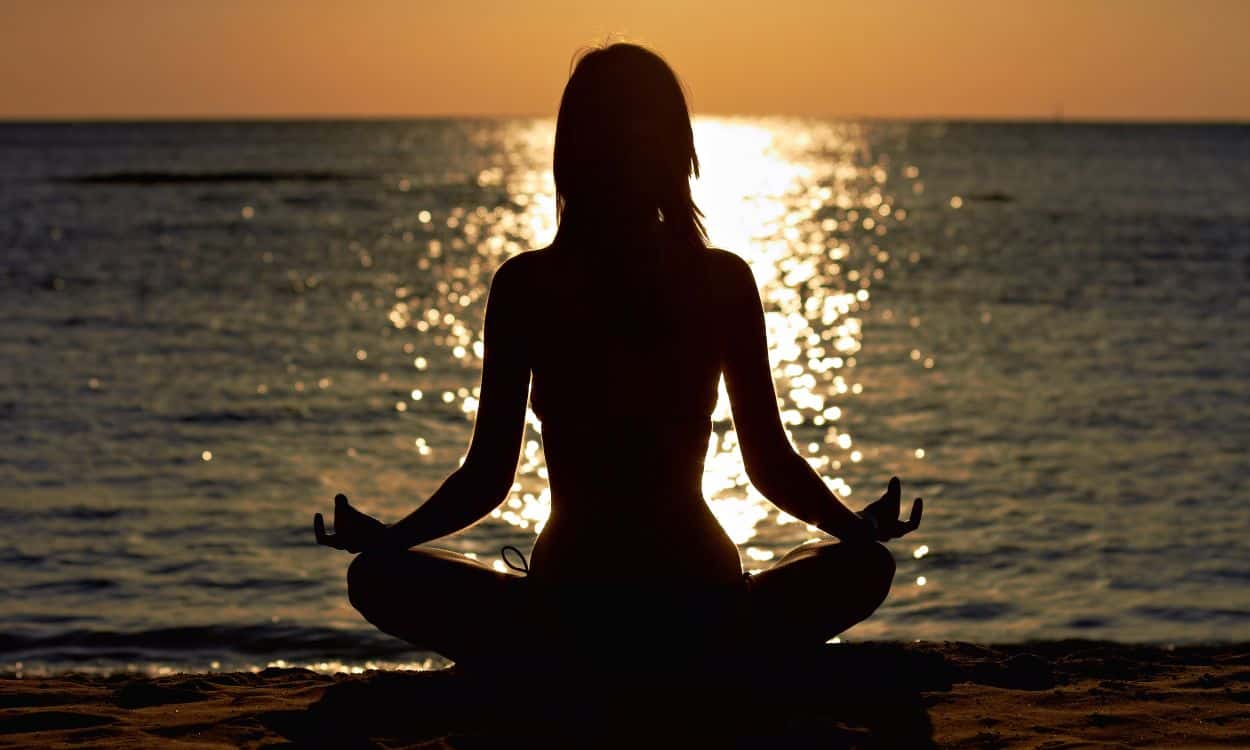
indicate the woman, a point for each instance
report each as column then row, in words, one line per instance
column 618, row 334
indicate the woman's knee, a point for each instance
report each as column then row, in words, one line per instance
column 364, row 581
column 871, row 570
column 871, row 567
column 872, row 560
column 881, row 559
column 878, row 567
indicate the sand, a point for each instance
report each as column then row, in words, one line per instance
column 1047, row 695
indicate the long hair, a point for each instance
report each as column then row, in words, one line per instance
column 624, row 147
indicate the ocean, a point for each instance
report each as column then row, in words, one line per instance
column 210, row 328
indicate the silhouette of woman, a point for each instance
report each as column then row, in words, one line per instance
column 618, row 334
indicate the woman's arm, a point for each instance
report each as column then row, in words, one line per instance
column 484, row 479
column 772, row 464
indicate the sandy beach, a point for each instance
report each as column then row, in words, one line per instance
column 1053, row 694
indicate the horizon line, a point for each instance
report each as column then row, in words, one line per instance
column 327, row 117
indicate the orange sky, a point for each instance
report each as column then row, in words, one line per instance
column 1141, row 59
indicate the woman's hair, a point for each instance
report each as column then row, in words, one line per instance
column 624, row 146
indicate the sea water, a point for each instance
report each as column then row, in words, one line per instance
column 211, row 328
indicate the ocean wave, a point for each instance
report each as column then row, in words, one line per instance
column 69, row 585
column 1193, row 614
column 227, row 417
column 197, row 178
column 977, row 611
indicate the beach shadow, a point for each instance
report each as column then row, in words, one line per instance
column 866, row 695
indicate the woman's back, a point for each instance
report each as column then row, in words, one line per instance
column 618, row 335
column 626, row 352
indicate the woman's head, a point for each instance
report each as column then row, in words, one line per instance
column 624, row 146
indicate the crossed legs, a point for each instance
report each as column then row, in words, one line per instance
column 442, row 601
column 819, row 590
column 436, row 599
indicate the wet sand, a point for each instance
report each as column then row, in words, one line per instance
column 1052, row 695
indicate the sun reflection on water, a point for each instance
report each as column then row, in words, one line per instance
column 798, row 203
column 801, row 201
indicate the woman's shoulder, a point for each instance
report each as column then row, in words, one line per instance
column 523, row 260
column 729, row 268
column 527, row 269
column 518, row 268
column 724, row 259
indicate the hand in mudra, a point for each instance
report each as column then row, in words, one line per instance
column 886, row 509
column 353, row 530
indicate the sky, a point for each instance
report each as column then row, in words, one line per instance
column 1084, row 59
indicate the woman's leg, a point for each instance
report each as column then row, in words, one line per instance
column 436, row 600
column 819, row 590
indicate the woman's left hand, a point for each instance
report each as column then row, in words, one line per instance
column 353, row 531
column 885, row 510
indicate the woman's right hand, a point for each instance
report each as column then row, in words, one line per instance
column 354, row 531
column 883, row 513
